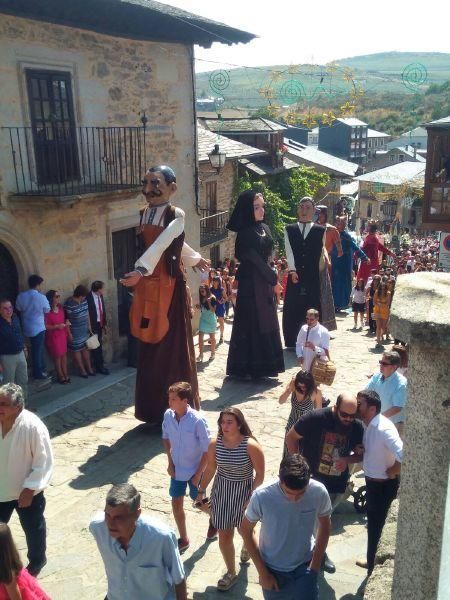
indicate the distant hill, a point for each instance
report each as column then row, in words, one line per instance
column 385, row 98
column 378, row 72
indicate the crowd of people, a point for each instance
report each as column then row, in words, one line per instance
column 323, row 444
column 76, row 326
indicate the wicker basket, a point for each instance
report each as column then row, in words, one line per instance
column 323, row 371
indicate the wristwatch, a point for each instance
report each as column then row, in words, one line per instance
column 141, row 270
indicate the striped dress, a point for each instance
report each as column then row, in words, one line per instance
column 78, row 315
column 232, row 485
column 297, row 410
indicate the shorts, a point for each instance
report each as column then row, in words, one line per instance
column 358, row 308
column 177, row 488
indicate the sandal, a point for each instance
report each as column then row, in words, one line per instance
column 226, row 582
column 245, row 556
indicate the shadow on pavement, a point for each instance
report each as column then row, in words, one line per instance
column 125, row 457
column 359, row 593
column 345, row 515
column 92, row 408
column 326, row 592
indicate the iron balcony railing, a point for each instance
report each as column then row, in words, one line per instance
column 61, row 161
column 213, row 226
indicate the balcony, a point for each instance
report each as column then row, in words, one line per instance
column 60, row 162
column 213, row 226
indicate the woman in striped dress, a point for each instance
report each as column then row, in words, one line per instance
column 77, row 313
column 305, row 397
column 237, row 460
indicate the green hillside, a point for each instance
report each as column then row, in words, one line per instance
column 399, row 89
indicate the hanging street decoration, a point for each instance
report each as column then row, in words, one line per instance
column 413, row 76
column 297, row 93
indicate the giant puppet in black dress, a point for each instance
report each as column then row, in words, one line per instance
column 255, row 346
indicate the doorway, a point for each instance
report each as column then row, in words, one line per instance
column 9, row 277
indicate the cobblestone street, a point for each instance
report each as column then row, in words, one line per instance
column 97, row 441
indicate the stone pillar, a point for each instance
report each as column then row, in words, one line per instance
column 420, row 316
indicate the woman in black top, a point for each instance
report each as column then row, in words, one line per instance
column 255, row 346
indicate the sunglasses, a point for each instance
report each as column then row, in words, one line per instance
column 300, row 389
column 384, row 363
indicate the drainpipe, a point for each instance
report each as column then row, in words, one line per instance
column 194, row 112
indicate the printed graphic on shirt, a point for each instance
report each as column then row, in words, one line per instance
column 334, row 445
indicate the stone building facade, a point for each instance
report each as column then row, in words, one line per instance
column 136, row 99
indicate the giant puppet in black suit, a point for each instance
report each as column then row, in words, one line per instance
column 304, row 245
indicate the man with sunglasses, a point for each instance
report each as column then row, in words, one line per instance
column 160, row 313
column 330, row 439
column 391, row 387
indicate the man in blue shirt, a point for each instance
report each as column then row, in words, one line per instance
column 140, row 553
column 391, row 387
column 13, row 361
column 288, row 558
column 32, row 306
column 186, row 439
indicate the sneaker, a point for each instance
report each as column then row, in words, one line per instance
column 200, row 358
column 212, row 532
column 183, row 545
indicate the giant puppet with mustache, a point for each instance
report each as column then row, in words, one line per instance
column 160, row 316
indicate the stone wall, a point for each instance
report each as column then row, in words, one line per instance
column 225, row 198
column 113, row 82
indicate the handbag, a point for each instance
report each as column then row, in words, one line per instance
column 92, row 342
column 323, row 371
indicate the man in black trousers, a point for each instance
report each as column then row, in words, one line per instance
column 303, row 243
column 97, row 316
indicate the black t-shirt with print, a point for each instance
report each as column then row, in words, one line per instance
column 324, row 437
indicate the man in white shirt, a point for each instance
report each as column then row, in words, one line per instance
column 26, row 464
column 160, row 316
column 139, row 552
column 313, row 340
column 383, row 453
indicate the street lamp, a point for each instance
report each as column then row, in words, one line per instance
column 217, row 158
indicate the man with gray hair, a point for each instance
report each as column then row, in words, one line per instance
column 139, row 552
column 26, row 464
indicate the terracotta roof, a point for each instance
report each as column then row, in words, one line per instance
column 245, row 125
column 232, row 148
column 133, row 19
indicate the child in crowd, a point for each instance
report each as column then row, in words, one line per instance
column 15, row 581
column 218, row 291
column 186, row 439
column 208, row 321
column 358, row 299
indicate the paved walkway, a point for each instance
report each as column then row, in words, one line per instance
column 97, row 441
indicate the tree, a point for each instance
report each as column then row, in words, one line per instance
column 282, row 193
